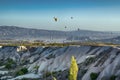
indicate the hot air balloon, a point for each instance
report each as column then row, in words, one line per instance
column 65, row 27
column 55, row 19
column 71, row 17
column 78, row 29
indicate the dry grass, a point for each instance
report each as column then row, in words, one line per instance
column 58, row 44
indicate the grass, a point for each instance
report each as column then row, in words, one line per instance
column 24, row 43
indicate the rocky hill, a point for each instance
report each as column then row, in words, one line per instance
column 103, row 63
column 19, row 33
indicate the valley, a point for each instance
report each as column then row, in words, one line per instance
column 37, row 63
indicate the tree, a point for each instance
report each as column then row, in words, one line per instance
column 113, row 77
column 73, row 69
column 22, row 71
column 94, row 76
column 8, row 66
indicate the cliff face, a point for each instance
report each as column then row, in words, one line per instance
column 104, row 61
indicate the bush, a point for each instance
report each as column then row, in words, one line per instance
column 1, row 63
column 113, row 77
column 83, row 72
column 10, row 64
column 89, row 61
column 10, row 61
column 19, row 73
column 22, row 71
column 29, row 79
column 25, row 79
column 47, row 74
column 93, row 76
column 50, row 56
column 36, row 67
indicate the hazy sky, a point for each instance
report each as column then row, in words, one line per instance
column 99, row 15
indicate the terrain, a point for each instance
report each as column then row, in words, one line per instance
column 35, row 54
column 27, row 34
column 104, row 61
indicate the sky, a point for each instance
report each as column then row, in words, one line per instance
column 100, row 15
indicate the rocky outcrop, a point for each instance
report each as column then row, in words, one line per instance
column 104, row 61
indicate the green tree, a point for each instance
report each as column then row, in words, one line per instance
column 73, row 69
column 8, row 66
column 94, row 76
column 113, row 77
column 22, row 71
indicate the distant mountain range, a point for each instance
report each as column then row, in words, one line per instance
column 13, row 32
column 115, row 40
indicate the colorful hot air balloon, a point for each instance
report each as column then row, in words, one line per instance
column 56, row 19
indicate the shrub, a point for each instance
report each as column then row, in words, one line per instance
column 89, row 61
column 94, row 76
column 10, row 64
column 25, row 79
column 113, row 77
column 10, row 61
column 1, row 63
column 19, row 73
column 55, row 72
column 29, row 79
column 50, row 56
column 22, row 71
column 83, row 72
column 47, row 74
column 36, row 67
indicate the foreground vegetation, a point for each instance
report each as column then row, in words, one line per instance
column 72, row 73
column 48, row 44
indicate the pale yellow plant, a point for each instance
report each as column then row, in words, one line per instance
column 73, row 69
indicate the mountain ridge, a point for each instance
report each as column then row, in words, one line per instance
column 19, row 33
column 40, row 61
